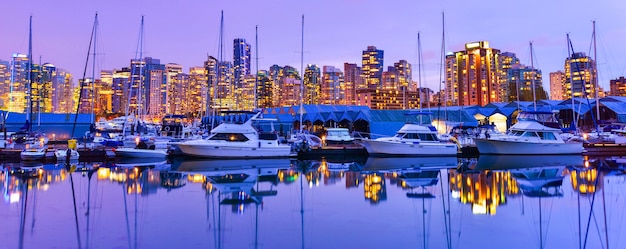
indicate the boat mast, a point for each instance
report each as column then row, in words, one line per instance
column 256, row 78
column 219, row 71
column 301, row 72
column 140, row 87
column 29, row 79
column 594, row 72
column 93, row 70
column 571, row 83
column 532, row 76
column 82, row 83
column 419, row 73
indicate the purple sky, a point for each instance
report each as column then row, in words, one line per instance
column 336, row 31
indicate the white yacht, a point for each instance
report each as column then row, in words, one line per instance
column 237, row 140
column 32, row 154
column 338, row 136
column 411, row 140
column 529, row 136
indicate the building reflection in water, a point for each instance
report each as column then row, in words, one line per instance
column 483, row 190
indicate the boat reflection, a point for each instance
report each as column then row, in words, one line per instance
column 396, row 163
column 158, row 163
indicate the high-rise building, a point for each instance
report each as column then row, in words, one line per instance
column 526, row 82
column 121, row 89
column 175, row 88
column 580, row 76
column 265, row 90
column 333, row 88
column 195, row 98
column 5, row 84
column 404, row 73
column 62, row 92
column 506, row 60
column 618, row 87
column 104, row 91
column 472, row 76
column 18, row 86
column 557, row 85
column 156, row 88
column 241, row 60
column 372, row 67
column 312, row 85
column 353, row 80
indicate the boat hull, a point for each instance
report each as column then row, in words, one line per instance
column 61, row 154
column 394, row 148
column 139, row 153
column 32, row 156
column 507, row 147
column 207, row 150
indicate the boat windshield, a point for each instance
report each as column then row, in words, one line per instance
column 232, row 137
column 516, row 133
column 338, row 133
column 420, row 136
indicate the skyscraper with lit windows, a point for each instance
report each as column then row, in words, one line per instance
column 580, row 76
column 241, row 60
column 353, row 80
column 372, row 67
column 5, row 83
column 333, row 92
column 312, row 85
column 557, row 85
column 472, row 76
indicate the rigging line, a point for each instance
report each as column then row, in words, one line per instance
column 606, row 230
column 445, row 218
column 82, row 84
column 579, row 225
column 583, row 90
column 74, row 202
column 126, row 215
column 593, row 199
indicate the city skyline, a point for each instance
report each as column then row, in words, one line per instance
column 334, row 32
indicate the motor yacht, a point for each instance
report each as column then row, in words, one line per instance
column 529, row 136
column 238, row 140
column 411, row 140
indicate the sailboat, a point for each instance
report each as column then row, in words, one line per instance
column 70, row 153
column 34, row 150
column 142, row 148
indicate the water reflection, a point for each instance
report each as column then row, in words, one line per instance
column 282, row 203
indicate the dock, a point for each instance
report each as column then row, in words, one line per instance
column 604, row 149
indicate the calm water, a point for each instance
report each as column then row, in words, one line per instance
column 489, row 202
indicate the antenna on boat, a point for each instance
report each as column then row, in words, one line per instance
column 302, row 73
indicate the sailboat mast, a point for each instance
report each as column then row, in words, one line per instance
column 140, row 87
column 256, row 77
column 302, row 73
column 219, row 71
column 82, row 83
column 532, row 76
column 93, row 70
column 419, row 69
column 594, row 72
column 419, row 73
column 569, row 53
column 29, row 79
